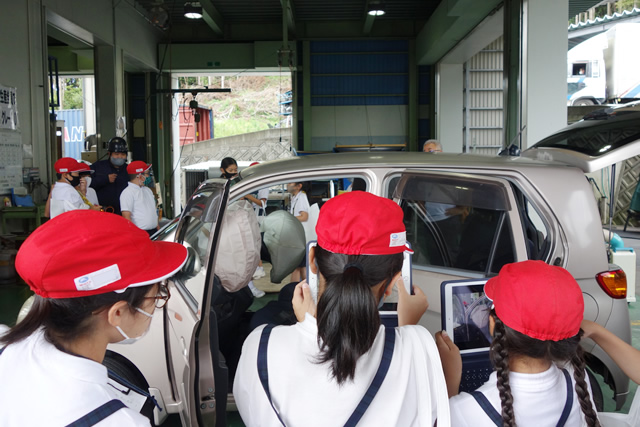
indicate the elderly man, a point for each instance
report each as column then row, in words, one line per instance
column 432, row 146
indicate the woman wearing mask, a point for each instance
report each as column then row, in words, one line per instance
column 64, row 195
column 539, row 377
column 93, row 287
column 228, row 168
column 338, row 365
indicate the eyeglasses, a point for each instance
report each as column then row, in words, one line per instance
column 163, row 295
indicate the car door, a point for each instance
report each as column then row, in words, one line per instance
column 460, row 226
column 188, row 334
column 604, row 138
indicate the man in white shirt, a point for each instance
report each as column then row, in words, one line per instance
column 64, row 195
column 137, row 202
column 84, row 187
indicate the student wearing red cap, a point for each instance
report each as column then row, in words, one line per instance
column 64, row 195
column 93, row 287
column 338, row 365
column 137, row 201
column 539, row 377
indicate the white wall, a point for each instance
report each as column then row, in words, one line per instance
column 544, row 96
column 449, row 101
column 354, row 125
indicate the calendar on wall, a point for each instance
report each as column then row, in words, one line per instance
column 10, row 160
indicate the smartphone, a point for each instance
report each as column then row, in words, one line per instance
column 390, row 305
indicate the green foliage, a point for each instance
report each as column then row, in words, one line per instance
column 623, row 5
column 72, row 98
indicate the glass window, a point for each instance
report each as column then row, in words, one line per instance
column 197, row 224
column 456, row 222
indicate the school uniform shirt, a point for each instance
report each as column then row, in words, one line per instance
column 65, row 198
column 92, row 196
column 304, row 393
column 43, row 386
column 538, row 400
column 142, row 205
column 299, row 203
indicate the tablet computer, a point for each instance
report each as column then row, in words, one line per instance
column 465, row 314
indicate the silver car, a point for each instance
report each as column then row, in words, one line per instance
column 537, row 206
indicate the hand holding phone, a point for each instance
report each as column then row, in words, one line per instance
column 410, row 307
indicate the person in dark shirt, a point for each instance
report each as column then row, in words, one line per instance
column 111, row 177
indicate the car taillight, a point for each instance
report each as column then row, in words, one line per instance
column 614, row 283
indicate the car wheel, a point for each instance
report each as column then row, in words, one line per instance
column 122, row 367
column 584, row 102
column 598, row 400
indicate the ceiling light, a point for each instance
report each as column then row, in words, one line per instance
column 376, row 8
column 193, row 10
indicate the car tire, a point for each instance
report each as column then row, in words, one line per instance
column 124, row 368
column 584, row 102
column 598, row 399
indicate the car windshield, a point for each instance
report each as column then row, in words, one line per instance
column 598, row 139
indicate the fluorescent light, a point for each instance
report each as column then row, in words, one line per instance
column 376, row 8
column 193, row 10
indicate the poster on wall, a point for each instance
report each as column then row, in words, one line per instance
column 10, row 160
column 8, row 108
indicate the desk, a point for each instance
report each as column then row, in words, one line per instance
column 34, row 214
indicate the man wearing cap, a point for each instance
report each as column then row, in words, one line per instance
column 87, row 296
column 137, row 202
column 111, row 176
column 64, row 195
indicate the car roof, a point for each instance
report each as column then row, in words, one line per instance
column 404, row 160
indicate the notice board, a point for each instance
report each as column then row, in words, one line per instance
column 10, row 160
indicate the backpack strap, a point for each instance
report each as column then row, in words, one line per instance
column 98, row 414
column 263, row 371
column 487, row 408
column 383, row 368
column 385, row 362
column 497, row 418
column 569, row 403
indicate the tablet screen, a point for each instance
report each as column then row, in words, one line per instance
column 470, row 312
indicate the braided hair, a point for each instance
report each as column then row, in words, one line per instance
column 507, row 341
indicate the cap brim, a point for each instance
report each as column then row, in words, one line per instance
column 168, row 259
column 408, row 249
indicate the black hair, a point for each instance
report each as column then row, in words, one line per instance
column 508, row 342
column 65, row 319
column 134, row 175
column 228, row 161
column 348, row 318
column 58, row 176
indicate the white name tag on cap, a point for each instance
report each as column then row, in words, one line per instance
column 98, row 279
column 398, row 239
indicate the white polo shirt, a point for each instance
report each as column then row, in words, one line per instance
column 142, row 205
column 42, row 386
column 413, row 392
column 92, row 196
column 299, row 203
column 538, row 400
column 65, row 198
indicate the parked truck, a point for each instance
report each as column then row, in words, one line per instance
column 605, row 68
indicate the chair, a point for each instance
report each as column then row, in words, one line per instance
column 634, row 208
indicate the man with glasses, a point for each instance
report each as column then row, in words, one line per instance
column 137, row 201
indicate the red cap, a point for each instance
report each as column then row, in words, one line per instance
column 360, row 223
column 82, row 252
column 84, row 168
column 539, row 300
column 66, row 165
column 137, row 167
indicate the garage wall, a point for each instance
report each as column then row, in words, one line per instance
column 359, row 93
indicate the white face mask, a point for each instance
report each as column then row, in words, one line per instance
column 128, row 340
column 88, row 181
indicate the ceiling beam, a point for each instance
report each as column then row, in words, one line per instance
column 288, row 12
column 212, row 17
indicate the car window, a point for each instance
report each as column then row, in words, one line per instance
column 605, row 135
column 197, row 224
column 454, row 222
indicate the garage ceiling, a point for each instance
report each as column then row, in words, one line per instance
column 262, row 20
